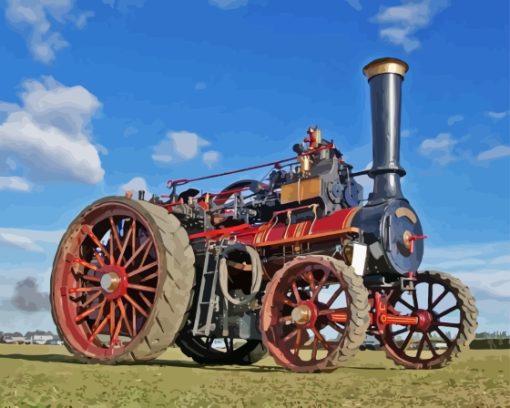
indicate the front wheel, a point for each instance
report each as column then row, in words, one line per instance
column 446, row 314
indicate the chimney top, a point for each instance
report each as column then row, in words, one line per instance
column 385, row 66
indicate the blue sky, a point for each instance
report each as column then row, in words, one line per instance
column 100, row 96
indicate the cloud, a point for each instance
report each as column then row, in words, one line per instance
column 200, row 86
column 210, row 158
column 51, row 236
column 49, row 135
column 355, row 4
column 228, row 4
column 19, row 241
column 14, row 183
column 134, row 185
column 402, row 22
column 497, row 115
column 408, row 132
column 454, row 119
column 494, row 153
column 178, row 147
column 124, row 6
column 28, row 298
column 36, row 19
column 439, row 149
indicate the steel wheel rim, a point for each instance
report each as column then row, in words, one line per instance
column 418, row 345
column 111, row 314
column 285, row 338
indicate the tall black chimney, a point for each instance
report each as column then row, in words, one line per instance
column 385, row 77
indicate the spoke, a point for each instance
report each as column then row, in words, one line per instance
column 289, row 302
column 101, row 313
column 149, row 277
column 115, row 234
column 320, row 285
column 285, row 319
column 415, row 298
column 136, row 306
column 142, row 269
column 88, row 312
column 334, row 296
column 430, row 344
column 439, row 298
column 90, row 278
column 391, row 309
column 99, row 259
column 314, row 348
column 449, row 310
column 318, row 335
column 310, row 279
column 87, row 229
column 443, row 336
column 326, row 312
column 133, row 237
column 145, row 300
column 125, row 243
column 290, row 336
column 146, row 253
column 429, row 302
column 133, row 316
column 446, row 324
column 420, row 346
column 86, row 289
column 405, row 304
column 408, row 339
column 98, row 329
column 85, row 263
column 334, row 326
column 116, row 333
column 297, row 343
column 396, row 333
column 140, row 249
column 112, row 320
column 296, row 292
column 123, row 314
column 141, row 287
column 91, row 299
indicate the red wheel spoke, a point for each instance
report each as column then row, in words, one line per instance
column 101, row 313
column 447, row 311
column 314, row 348
column 86, row 289
column 420, row 346
column 290, row 336
column 87, row 229
column 133, row 236
column 133, row 322
column 310, row 279
column 296, row 291
column 430, row 344
column 326, row 312
column 90, row 278
column 443, row 336
column 285, row 319
column 136, row 253
column 142, row 269
column 406, row 304
column 136, row 306
column 415, row 298
column 319, row 336
column 146, row 253
column 408, row 339
column 149, row 277
column 141, row 287
column 91, row 299
column 112, row 320
column 85, row 263
column 446, row 324
column 429, row 300
column 145, row 300
column 125, row 244
column 99, row 259
column 396, row 333
column 124, row 317
column 439, row 298
column 297, row 343
column 97, row 330
column 334, row 296
column 392, row 310
column 320, row 285
column 116, row 237
column 336, row 327
column 289, row 302
column 88, row 312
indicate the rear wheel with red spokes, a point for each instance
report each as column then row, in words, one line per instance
column 122, row 281
column 446, row 313
column 314, row 314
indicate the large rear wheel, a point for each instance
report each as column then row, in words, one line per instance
column 122, row 281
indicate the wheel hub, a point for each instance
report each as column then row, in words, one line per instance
column 301, row 314
column 425, row 319
column 110, row 282
column 114, row 281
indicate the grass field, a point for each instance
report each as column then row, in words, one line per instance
column 40, row 376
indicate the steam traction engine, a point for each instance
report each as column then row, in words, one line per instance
column 297, row 265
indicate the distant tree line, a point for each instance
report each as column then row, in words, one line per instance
column 492, row 335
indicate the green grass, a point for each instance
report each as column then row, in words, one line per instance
column 40, row 376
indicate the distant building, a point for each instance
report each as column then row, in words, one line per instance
column 40, row 338
column 15, row 340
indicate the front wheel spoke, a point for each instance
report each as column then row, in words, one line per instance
column 443, row 336
column 430, row 344
column 334, row 326
column 446, row 324
column 408, row 339
column 326, row 312
column 90, row 278
column 297, row 343
column 84, row 263
column 334, row 297
column 296, row 292
column 91, row 299
column 447, row 311
column 82, row 290
column 125, row 243
column 438, row 299
column 310, row 279
column 87, row 229
column 406, row 304
column 136, row 253
column 430, row 295
column 315, row 346
column 112, row 320
column 149, row 277
column 141, row 287
column 290, row 336
column 136, row 306
column 420, row 346
column 289, row 302
column 319, row 336
column 87, row 312
column 124, row 317
column 116, row 237
column 98, row 329
column 396, row 333
column 415, row 298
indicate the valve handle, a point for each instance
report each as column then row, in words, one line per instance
column 412, row 238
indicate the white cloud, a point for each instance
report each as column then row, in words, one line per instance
column 35, row 19
column 494, row 153
column 355, row 4
column 408, row 132
column 124, row 6
column 498, row 115
column 178, row 146
column 402, row 22
column 454, row 119
column 51, row 236
column 19, row 241
column 49, row 134
column 228, row 4
column 134, row 185
column 439, row 149
column 15, row 184
column 210, row 158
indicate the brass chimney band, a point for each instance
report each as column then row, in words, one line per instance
column 385, row 66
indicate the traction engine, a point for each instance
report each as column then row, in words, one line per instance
column 298, row 265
